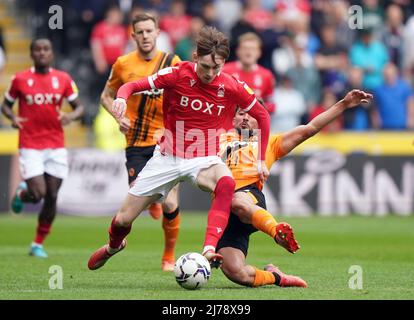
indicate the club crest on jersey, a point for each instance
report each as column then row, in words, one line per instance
column 55, row 83
column 192, row 82
column 30, row 82
column 220, row 91
column 258, row 80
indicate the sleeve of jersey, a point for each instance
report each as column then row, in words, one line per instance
column 258, row 112
column 165, row 78
column 268, row 95
column 248, row 102
column 72, row 91
column 12, row 93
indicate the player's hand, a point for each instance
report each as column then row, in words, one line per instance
column 263, row 171
column 357, row 97
column 119, row 108
column 124, row 125
column 64, row 118
column 17, row 122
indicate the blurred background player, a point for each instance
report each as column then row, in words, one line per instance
column 246, row 69
column 143, row 121
column 200, row 102
column 249, row 204
column 42, row 155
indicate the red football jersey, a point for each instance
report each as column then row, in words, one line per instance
column 194, row 112
column 40, row 97
column 259, row 79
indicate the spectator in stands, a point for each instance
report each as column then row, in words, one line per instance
column 160, row 6
column 408, row 51
column 257, row 16
column 186, row 46
column 357, row 118
column 271, row 39
column 305, row 78
column 328, row 100
column 290, row 107
column 373, row 16
column 228, row 13
column 371, row 56
column 394, row 102
column 108, row 41
column 392, row 34
column 292, row 8
column 209, row 14
column 176, row 23
column 285, row 57
column 301, row 28
column 344, row 34
column 241, row 26
column 331, row 60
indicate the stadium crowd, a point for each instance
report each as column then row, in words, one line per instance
column 312, row 47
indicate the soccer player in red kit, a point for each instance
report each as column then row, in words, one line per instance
column 42, row 155
column 246, row 69
column 199, row 104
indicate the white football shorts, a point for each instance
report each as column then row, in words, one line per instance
column 34, row 162
column 163, row 172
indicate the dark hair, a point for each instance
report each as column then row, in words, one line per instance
column 211, row 41
column 143, row 17
column 33, row 43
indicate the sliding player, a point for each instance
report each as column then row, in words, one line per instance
column 249, row 206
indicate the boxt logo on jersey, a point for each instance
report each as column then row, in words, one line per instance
column 40, row 98
column 198, row 105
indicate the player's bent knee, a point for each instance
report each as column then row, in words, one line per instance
column 170, row 204
column 240, row 208
column 225, row 184
column 122, row 219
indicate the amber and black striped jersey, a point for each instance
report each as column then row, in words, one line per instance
column 241, row 157
column 144, row 110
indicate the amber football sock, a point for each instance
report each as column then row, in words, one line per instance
column 171, row 227
column 262, row 278
column 265, row 222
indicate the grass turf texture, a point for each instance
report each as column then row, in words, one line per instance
column 383, row 247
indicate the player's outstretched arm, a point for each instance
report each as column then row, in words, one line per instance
column 296, row 136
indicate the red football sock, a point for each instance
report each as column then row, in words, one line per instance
column 117, row 234
column 42, row 231
column 219, row 213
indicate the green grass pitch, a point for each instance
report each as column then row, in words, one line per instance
column 383, row 247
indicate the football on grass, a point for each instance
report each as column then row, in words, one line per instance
column 192, row 271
